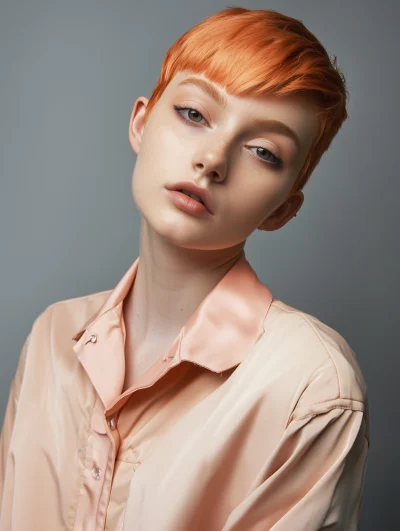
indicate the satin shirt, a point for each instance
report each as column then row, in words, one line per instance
column 255, row 418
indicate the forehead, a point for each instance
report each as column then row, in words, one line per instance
column 295, row 111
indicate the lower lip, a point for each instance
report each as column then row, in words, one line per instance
column 187, row 203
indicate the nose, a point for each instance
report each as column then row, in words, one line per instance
column 211, row 163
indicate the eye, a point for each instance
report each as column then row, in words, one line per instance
column 275, row 160
column 272, row 159
column 195, row 112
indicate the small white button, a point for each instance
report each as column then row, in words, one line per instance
column 112, row 423
column 96, row 472
column 92, row 339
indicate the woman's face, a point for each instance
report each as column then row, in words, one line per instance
column 247, row 167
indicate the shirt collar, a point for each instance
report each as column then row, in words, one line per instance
column 224, row 327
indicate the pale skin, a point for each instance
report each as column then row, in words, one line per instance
column 183, row 257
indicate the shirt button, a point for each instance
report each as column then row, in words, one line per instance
column 112, row 423
column 92, row 339
column 96, row 472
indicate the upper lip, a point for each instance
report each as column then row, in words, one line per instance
column 191, row 186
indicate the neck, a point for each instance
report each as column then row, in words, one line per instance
column 170, row 284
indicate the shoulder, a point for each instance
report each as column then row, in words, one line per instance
column 65, row 317
column 85, row 305
column 320, row 366
column 50, row 339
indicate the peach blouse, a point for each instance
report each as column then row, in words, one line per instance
column 256, row 418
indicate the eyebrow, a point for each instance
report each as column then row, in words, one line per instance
column 271, row 125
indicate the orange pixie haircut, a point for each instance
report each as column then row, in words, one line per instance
column 261, row 52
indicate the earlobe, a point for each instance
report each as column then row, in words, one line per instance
column 137, row 123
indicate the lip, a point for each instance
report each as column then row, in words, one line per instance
column 187, row 204
column 191, row 186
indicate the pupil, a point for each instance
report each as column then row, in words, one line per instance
column 194, row 112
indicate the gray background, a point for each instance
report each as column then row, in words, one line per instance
column 69, row 75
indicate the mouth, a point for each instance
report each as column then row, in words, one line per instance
column 192, row 190
column 183, row 200
column 190, row 194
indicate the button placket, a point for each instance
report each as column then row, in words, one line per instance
column 103, row 443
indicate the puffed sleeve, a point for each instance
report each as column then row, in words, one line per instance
column 10, row 413
column 315, row 478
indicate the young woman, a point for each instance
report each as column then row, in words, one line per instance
column 188, row 397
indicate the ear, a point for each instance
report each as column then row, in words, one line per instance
column 137, row 123
column 284, row 213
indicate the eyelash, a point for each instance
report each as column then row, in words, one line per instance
column 278, row 162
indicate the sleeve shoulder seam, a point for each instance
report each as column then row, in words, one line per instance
column 352, row 407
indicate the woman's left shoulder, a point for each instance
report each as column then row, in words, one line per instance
column 315, row 356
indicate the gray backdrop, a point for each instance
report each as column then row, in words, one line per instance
column 69, row 75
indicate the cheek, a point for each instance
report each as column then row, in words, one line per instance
column 258, row 199
column 137, row 187
column 163, row 136
column 163, row 154
column 157, row 164
column 141, row 179
column 148, row 165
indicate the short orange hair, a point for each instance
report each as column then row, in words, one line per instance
column 260, row 52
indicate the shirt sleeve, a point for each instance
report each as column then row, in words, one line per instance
column 314, row 480
column 9, row 417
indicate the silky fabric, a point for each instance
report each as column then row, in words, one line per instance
column 255, row 418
